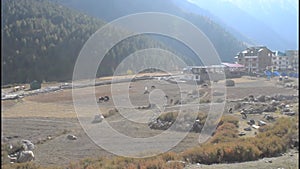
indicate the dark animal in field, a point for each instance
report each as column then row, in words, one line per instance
column 153, row 87
column 106, row 98
column 244, row 116
column 103, row 99
column 100, row 99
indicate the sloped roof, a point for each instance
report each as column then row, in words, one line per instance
column 233, row 65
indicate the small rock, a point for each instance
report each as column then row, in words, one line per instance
column 261, row 98
column 71, row 137
column 268, row 161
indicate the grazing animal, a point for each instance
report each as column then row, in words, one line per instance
column 153, row 87
column 171, row 101
column 244, row 116
column 106, row 98
column 100, row 99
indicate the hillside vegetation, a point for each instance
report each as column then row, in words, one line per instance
column 42, row 38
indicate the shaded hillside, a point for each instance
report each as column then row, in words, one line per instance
column 225, row 43
column 42, row 41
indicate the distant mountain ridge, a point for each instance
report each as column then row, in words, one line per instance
column 273, row 23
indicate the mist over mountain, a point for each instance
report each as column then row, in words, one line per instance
column 273, row 23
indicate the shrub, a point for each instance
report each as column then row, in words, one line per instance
column 225, row 133
column 169, row 116
column 202, row 100
column 229, row 119
column 110, row 112
column 229, row 83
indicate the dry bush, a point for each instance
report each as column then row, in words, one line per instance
column 222, row 152
column 229, row 82
column 110, row 112
column 169, row 116
column 225, row 133
column 229, row 119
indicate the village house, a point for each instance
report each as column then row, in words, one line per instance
column 293, row 58
column 212, row 72
column 255, row 59
column 280, row 61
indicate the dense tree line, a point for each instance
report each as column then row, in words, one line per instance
column 42, row 39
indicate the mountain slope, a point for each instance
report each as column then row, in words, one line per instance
column 266, row 22
column 42, row 41
column 193, row 8
column 226, row 45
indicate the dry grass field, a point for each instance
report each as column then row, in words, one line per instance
column 41, row 116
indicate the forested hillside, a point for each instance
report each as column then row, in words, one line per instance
column 42, row 38
column 225, row 43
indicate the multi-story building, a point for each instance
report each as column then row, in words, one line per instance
column 280, row 61
column 255, row 59
column 293, row 58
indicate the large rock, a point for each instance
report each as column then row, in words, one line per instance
column 229, row 82
column 261, row 98
column 98, row 118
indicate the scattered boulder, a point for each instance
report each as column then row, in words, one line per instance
column 285, row 110
column 261, row 123
column 218, row 94
column 269, row 117
column 269, row 109
column 274, row 103
column 146, row 107
column 21, row 152
column 98, row 118
column 71, row 137
column 251, row 122
column 229, row 82
column 237, row 106
column 261, row 98
column 251, row 98
column 288, row 85
column 289, row 113
column 242, row 133
column 22, row 157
